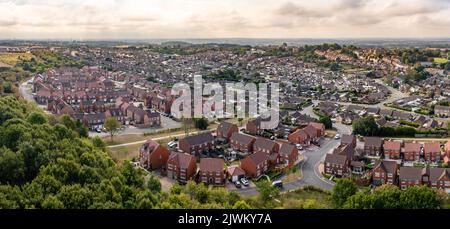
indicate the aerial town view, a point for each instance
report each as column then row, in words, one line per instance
column 340, row 104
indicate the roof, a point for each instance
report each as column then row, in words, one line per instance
column 373, row 141
column 392, row 145
column 242, row 138
column 287, row 149
column 265, row 143
column 235, row 171
column 181, row 159
column 411, row 173
column 438, row 173
column 310, row 131
column 318, row 126
column 199, row 139
column 335, row 159
column 212, row 165
column 224, row 127
column 348, row 139
column 431, row 147
column 257, row 158
column 412, row 147
column 388, row 166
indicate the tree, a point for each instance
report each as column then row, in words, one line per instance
column 343, row 189
column 325, row 120
column 420, row 197
column 112, row 126
column 241, row 204
column 153, row 184
column 266, row 190
column 11, row 167
column 201, row 123
column 37, row 118
column 365, row 126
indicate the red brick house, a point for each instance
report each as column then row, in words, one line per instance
column 242, row 142
column 373, row 146
column 411, row 176
column 153, row 155
column 254, row 126
column 225, row 130
column 337, row 164
column 235, row 173
column 212, row 171
column 411, row 151
column 439, row 178
column 385, row 172
column 255, row 164
column 266, row 146
column 197, row 143
column 392, row 149
column 320, row 127
column 447, row 149
column 432, row 151
column 288, row 155
column 299, row 137
column 181, row 167
column 348, row 139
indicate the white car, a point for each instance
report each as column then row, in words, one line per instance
column 337, row 136
column 300, row 147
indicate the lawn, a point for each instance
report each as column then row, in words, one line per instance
column 122, row 153
column 121, row 139
column 440, row 60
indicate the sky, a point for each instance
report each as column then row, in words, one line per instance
column 155, row 19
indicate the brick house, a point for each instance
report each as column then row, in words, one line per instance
column 336, row 164
column 392, row 149
column 225, row 130
column 153, row 155
column 197, row 143
column 411, row 151
column 373, row 146
column 411, row 176
column 255, row 164
column 432, row 151
column 299, row 137
column 235, row 173
column 439, row 178
column 288, row 154
column 181, row 167
column 242, row 142
column 320, row 127
column 442, row 111
column 212, row 171
column 94, row 121
column 348, row 139
column 385, row 172
column 266, row 146
column 253, row 126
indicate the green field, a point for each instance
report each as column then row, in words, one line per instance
column 440, row 60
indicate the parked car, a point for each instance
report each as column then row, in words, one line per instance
column 98, row 130
column 245, row 182
column 278, row 184
column 337, row 136
column 299, row 147
column 237, row 184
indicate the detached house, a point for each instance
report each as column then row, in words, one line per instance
column 153, row 155
column 392, row 149
column 181, row 167
column 212, row 171
column 225, row 130
column 439, row 178
column 336, row 164
column 256, row 164
column 348, row 139
column 299, row 137
column 254, row 126
column 373, row 146
column 432, row 151
column 385, row 172
column 242, row 142
column 288, row 155
column 412, row 151
column 197, row 143
column 265, row 146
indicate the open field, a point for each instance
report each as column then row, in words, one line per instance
column 13, row 58
column 123, row 153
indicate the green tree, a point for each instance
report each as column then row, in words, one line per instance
column 37, row 118
column 153, row 184
column 420, row 197
column 343, row 189
column 266, row 190
column 201, row 123
column 11, row 167
column 365, row 126
column 112, row 126
column 325, row 120
column 241, row 204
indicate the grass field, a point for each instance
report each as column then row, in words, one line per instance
column 440, row 60
column 13, row 58
column 306, row 198
column 128, row 152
